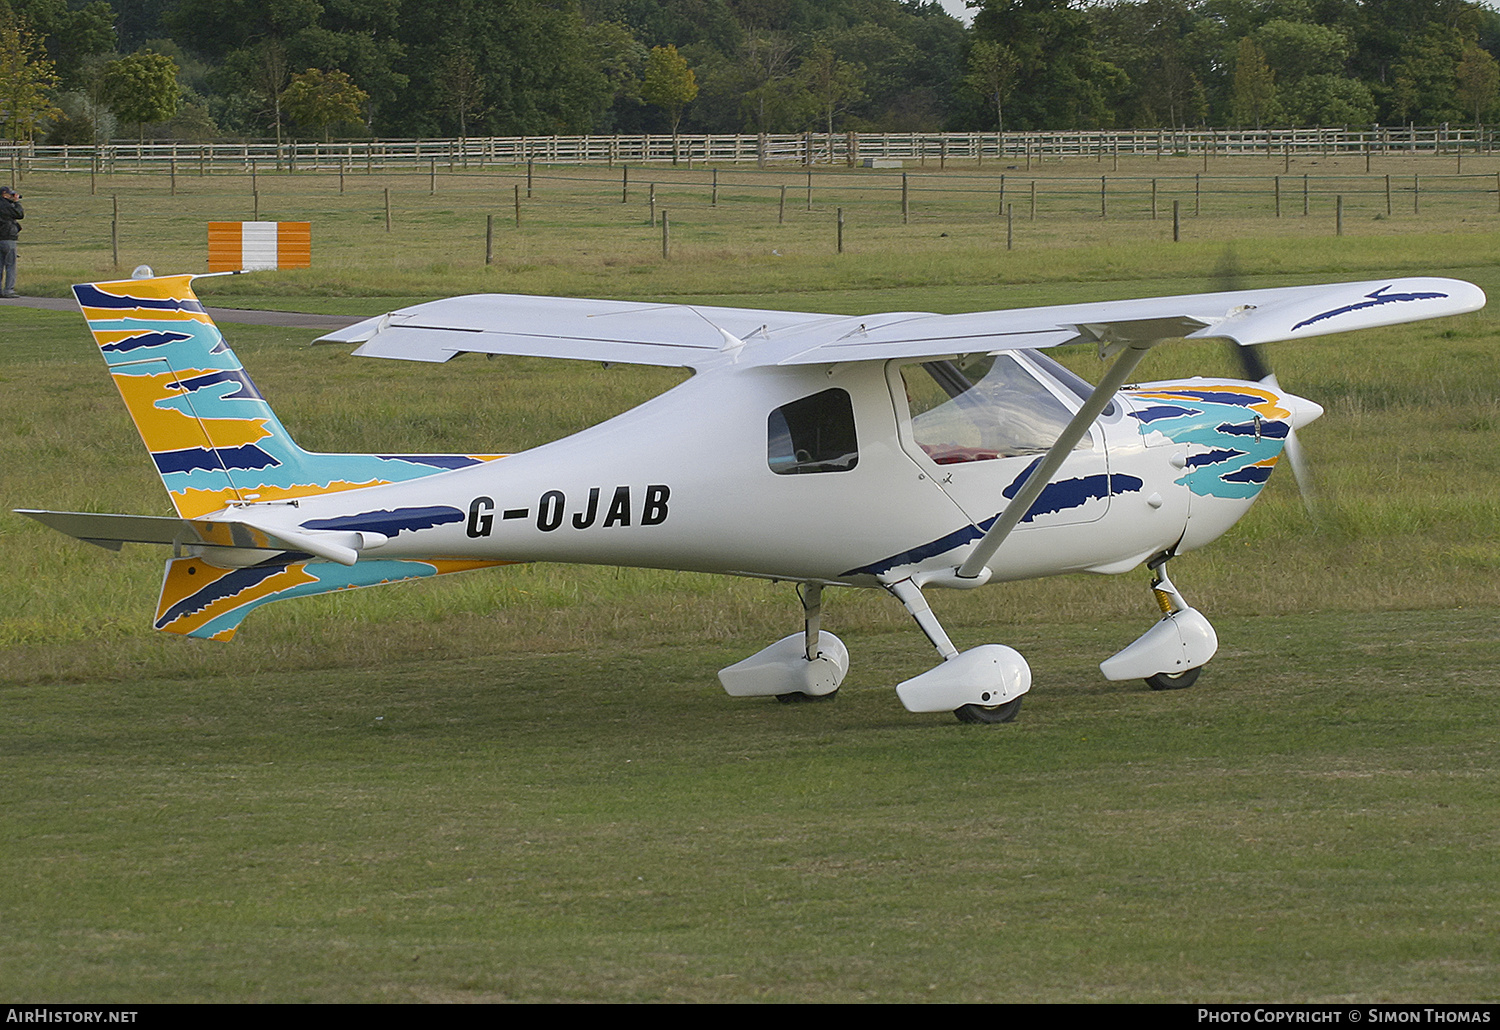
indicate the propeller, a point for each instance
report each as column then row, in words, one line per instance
column 1256, row 368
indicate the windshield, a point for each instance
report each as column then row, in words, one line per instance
column 981, row 407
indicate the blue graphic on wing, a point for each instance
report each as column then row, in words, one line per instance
column 1372, row 300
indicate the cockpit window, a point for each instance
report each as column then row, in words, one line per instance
column 980, row 407
column 814, row 434
column 1072, row 380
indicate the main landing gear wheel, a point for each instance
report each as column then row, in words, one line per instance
column 990, row 713
column 796, row 697
column 1173, row 680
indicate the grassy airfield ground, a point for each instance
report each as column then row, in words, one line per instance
column 526, row 783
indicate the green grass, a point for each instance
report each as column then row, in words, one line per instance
column 1313, row 822
column 526, row 784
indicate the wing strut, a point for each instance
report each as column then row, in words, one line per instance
column 1131, row 340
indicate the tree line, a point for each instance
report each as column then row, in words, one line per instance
column 77, row 71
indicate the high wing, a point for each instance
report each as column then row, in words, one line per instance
column 702, row 337
column 630, row 332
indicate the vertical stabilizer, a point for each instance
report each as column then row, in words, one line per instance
column 214, row 439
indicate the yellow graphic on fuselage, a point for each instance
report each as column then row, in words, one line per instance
column 1265, row 403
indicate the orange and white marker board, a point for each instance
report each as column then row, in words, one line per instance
column 249, row 246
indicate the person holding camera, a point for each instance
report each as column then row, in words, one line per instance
column 11, row 214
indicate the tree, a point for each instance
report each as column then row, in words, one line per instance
column 69, row 33
column 833, row 84
column 771, row 92
column 1254, row 85
column 1063, row 80
column 1296, row 49
column 670, row 85
column 141, row 88
column 26, row 78
column 460, row 85
column 320, row 98
column 1328, row 100
column 1426, row 88
column 1478, row 82
column 992, row 74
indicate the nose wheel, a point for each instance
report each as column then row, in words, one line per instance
column 1171, row 654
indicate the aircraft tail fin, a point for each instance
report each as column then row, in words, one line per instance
column 199, row 599
column 214, row 439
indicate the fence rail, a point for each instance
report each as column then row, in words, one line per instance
column 851, row 149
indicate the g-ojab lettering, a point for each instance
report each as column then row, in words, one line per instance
column 552, row 510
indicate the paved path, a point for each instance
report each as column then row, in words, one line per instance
column 290, row 319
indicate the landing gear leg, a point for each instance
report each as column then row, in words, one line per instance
column 811, row 596
column 1169, row 655
column 806, row 666
column 983, row 684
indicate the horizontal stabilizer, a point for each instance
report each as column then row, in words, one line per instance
column 113, row 530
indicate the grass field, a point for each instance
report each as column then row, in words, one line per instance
column 526, row 784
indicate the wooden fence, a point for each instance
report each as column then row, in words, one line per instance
column 807, row 149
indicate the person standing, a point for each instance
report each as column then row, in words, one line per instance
column 11, row 214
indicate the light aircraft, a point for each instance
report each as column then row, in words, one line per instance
column 902, row 451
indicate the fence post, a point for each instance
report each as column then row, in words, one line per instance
column 1033, row 200
column 1416, row 194
column 1002, row 193
column 528, row 178
column 387, row 209
column 1278, row 196
column 114, row 230
column 489, row 239
column 1103, row 204
column 432, row 176
column 841, row 230
column 1197, row 195
column 905, row 206
column 1176, row 220
column 1153, row 200
column 651, row 202
column 714, row 198
column 666, row 237
column 781, row 212
column 1304, row 194
column 1388, row 191
column 809, row 190
column 517, row 187
column 624, row 184
column 1010, row 227
column 1338, row 217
